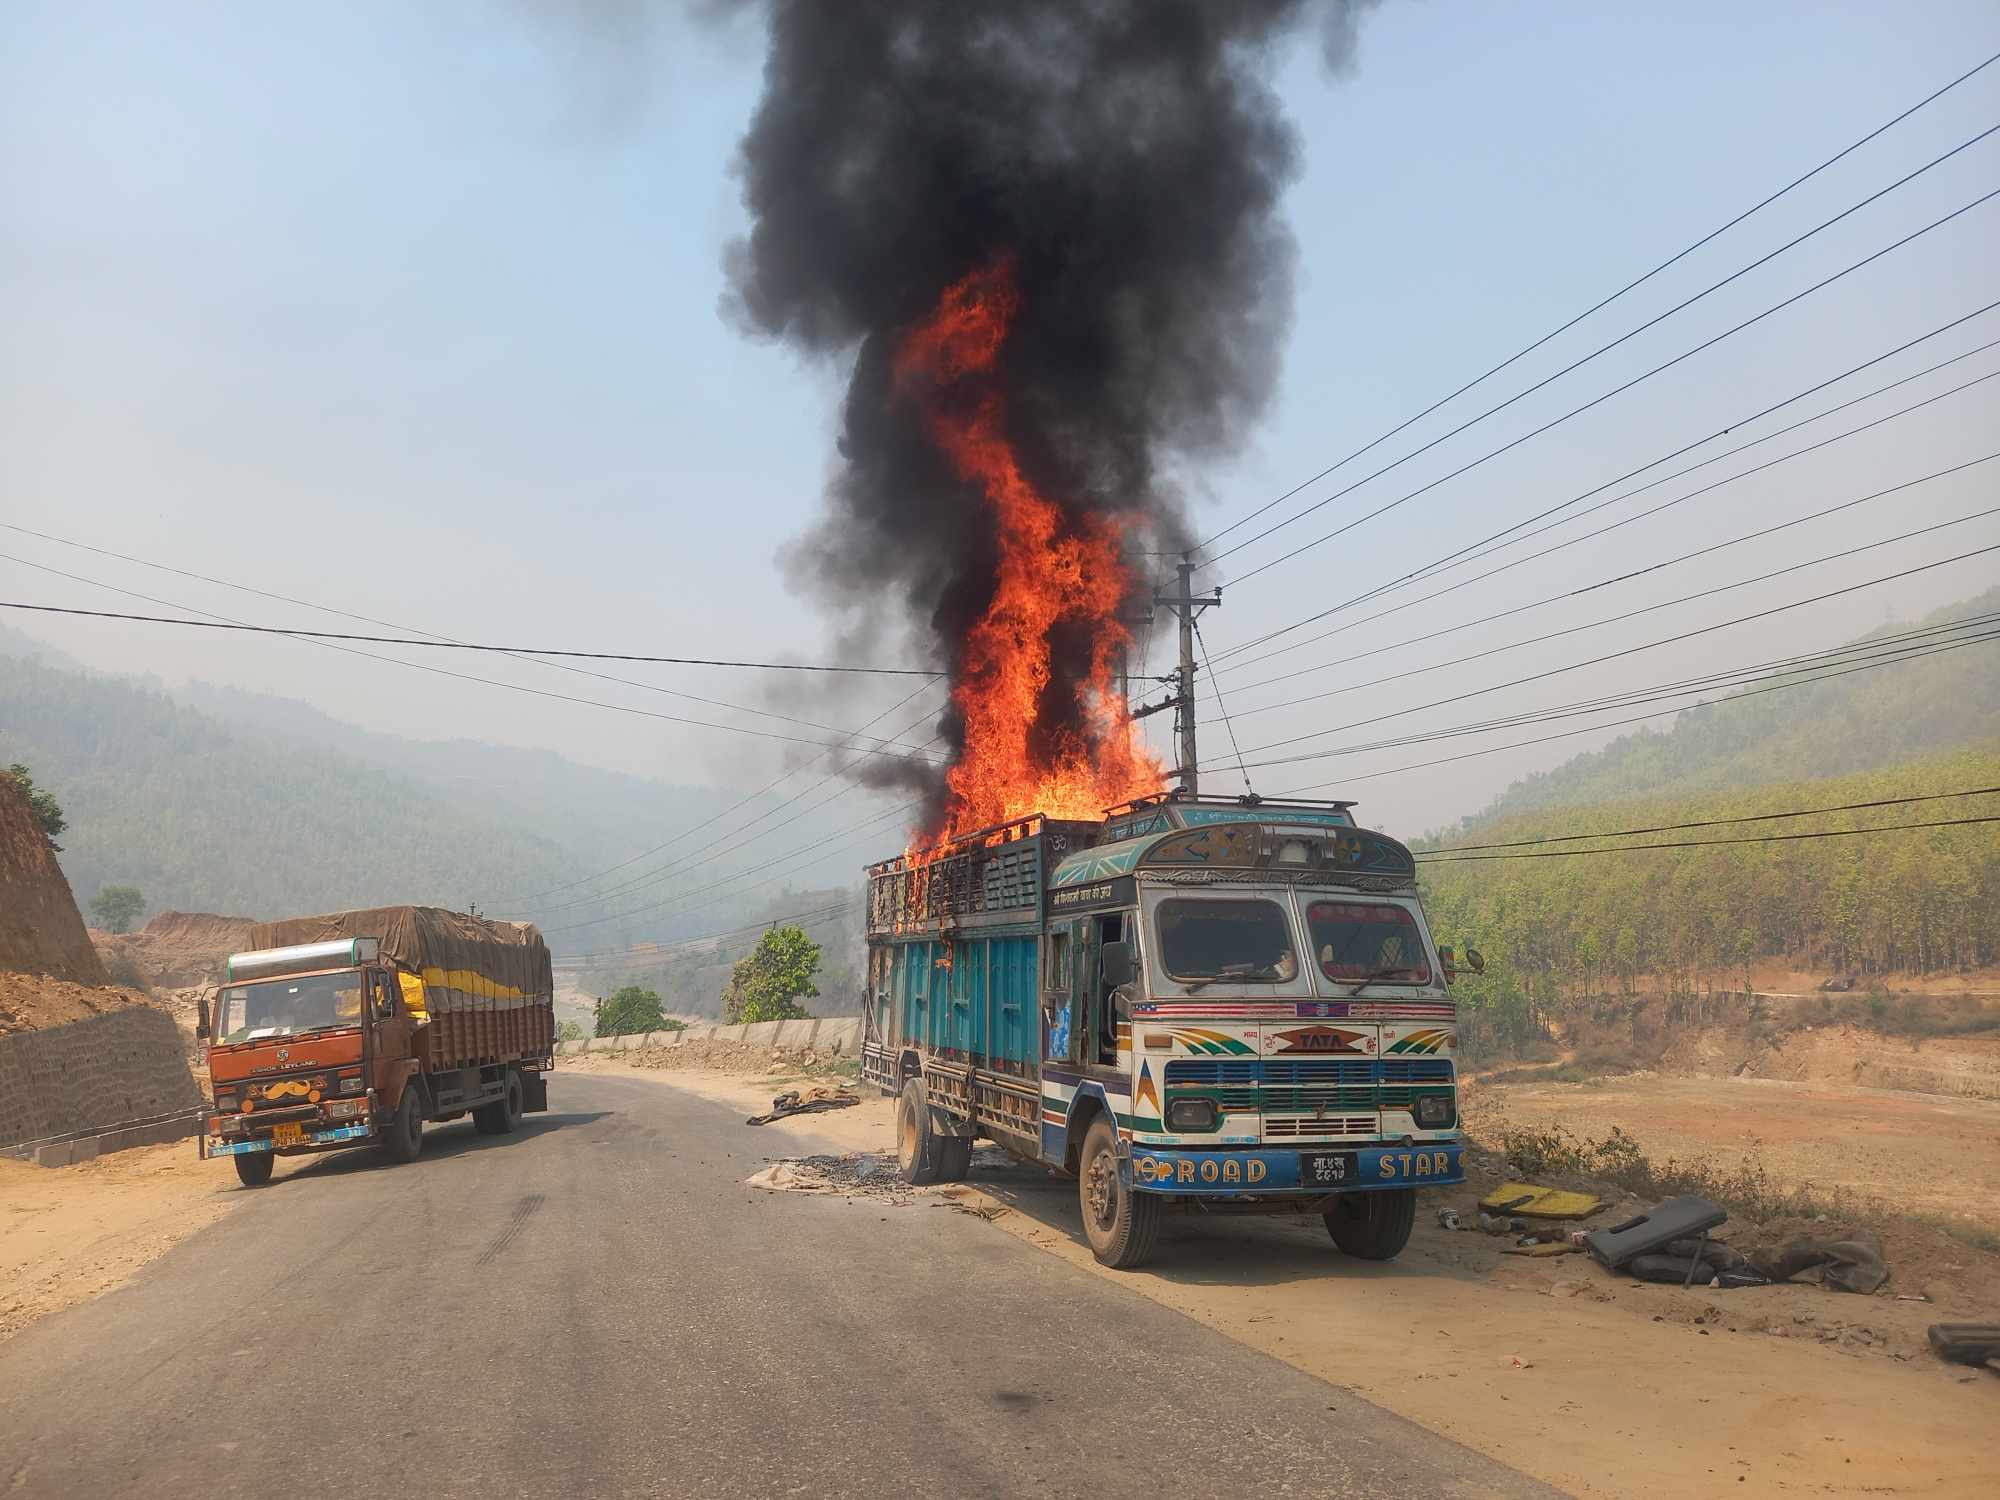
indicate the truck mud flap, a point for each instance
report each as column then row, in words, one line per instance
column 534, row 1093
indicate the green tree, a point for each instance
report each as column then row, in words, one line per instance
column 43, row 804
column 116, row 907
column 767, row 985
column 629, row 1012
column 569, row 1031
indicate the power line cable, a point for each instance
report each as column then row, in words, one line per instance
column 1787, row 671
column 1599, row 400
column 524, row 652
column 1222, row 709
column 650, row 950
column 1763, row 838
column 734, row 807
column 1631, row 614
column 1805, row 812
column 1793, row 677
column 1469, row 553
column 1595, row 353
column 423, row 667
column 1633, row 285
column 1685, row 635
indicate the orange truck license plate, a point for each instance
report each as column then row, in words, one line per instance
column 288, row 1135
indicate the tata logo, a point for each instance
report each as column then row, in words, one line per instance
column 1325, row 1039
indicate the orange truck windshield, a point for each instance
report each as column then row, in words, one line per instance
column 287, row 1007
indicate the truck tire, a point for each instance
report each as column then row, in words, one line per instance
column 1120, row 1224
column 916, row 1144
column 1374, row 1225
column 954, row 1157
column 254, row 1168
column 503, row 1114
column 405, row 1139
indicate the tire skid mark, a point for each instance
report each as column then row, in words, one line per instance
column 524, row 1210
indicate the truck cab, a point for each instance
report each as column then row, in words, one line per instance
column 301, row 1046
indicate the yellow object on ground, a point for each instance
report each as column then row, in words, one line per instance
column 1543, row 1202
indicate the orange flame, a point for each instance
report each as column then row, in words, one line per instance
column 1055, row 572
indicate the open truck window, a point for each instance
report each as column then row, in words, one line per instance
column 1207, row 939
column 1355, row 939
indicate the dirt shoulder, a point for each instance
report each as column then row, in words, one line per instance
column 71, row 1233
column 1578, row 1377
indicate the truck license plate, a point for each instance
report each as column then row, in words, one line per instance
column 288, row 1135
column 1328, row 1168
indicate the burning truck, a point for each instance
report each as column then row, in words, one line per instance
column 1192, row 1004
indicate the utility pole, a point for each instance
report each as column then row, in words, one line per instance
column 1185, row 604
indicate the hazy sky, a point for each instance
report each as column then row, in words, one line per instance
column 412, row 311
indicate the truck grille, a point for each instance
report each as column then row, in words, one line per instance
column 1299, row 1127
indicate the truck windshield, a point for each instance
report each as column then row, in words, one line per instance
column 1211, row 940
column 1357, row 940
column 286, row 1007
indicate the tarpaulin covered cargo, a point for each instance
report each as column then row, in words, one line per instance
column 488, row 987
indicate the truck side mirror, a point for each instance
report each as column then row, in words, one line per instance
column 1474, row 959
column 1116, row 964
column 201, row 1028
column 385, row 1000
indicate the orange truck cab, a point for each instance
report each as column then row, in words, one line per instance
column 402, row 1016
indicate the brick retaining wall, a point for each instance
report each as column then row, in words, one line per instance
column 93, row 1075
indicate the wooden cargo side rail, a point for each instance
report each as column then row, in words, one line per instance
column 973, row 1096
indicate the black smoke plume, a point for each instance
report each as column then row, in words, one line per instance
column 1129, row 156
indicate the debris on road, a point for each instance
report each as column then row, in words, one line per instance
column 1527, row 1201
column 1646, row 1233
column 1966, row 1343
column 820, row 1096
column 1848, row 1262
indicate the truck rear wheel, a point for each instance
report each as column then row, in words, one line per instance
column 503, row 1114
column 1120, row 1224
column 406, row 1129
column 916, row 1144
column 253, row 1169
column 954, row 1157
column 1374, row 1225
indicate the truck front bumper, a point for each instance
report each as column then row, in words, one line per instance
column 338, row 1135
column 1290, row 1173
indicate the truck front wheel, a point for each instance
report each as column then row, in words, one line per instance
column 253, row 1169
column 1374, row 1225
column 406, row 1129
column 1120, row 1224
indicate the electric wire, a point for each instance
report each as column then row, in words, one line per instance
column 1685, row 635
column 1600, row 399
column 1805, row 812
column 517, row 687
column 1221, row 708
column 1601, row 350
column 1762, row 838
column 1469, row 554
column 1679, row 599
column 1629, row 286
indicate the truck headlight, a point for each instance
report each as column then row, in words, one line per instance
column 1193, row 1116
column 346, row 1109
column 352, row 1085
column 1434, row 1111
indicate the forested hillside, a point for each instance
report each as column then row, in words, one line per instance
column 202, row 818
column 583, row 808
column 1559, row 929
column 1857, row 722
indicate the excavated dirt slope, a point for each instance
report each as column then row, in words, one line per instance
column 177, row 949
column 40, row 929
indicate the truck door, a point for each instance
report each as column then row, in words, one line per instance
column 1064, row 1027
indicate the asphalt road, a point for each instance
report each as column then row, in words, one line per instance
column 596, row 1306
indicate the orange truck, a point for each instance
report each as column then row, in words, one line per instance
column 357, row 1028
